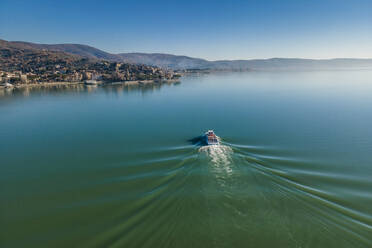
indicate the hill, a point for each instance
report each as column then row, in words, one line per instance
column 22, row 62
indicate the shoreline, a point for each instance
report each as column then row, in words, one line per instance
column 99, row 83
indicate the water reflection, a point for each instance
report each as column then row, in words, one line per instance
column 115, row 88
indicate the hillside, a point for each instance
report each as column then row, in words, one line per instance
column 166, row 60
column 77, row 49
column 24, row 63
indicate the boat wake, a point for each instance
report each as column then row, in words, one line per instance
column 218, row 154
column 220, row 158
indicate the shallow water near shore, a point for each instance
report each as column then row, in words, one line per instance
column 121, row 166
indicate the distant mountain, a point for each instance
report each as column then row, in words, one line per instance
column 183, row 62
column 292, row 64
column 177, row 62
column 166, row 60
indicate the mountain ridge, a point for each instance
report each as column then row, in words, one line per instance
column 183, row 62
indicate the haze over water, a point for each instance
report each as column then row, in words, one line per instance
column 122, row 167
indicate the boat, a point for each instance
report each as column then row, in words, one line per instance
column 7, row 85
column 211, row 138
column 90, row 82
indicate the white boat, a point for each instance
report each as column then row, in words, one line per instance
column 90, row 82
column 211, row 138
column 7, row 85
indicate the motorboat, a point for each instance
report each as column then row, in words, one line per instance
column 211, row 138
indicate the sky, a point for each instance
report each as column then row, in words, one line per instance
column 213, row 30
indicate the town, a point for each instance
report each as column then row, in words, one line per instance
column 20, row 66
column 100, row 71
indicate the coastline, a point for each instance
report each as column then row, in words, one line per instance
column 99, row 83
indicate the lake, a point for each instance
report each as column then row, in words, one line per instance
column 119, row 166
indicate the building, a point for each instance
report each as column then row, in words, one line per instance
column 23, row 78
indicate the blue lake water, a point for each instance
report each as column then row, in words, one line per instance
column 121, row 166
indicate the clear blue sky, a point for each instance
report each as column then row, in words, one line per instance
column 207, row 29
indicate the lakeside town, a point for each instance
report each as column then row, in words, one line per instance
column 98, row 72
column 91, row 73
column 21, row 66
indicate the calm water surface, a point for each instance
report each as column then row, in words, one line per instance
column 122, row 167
